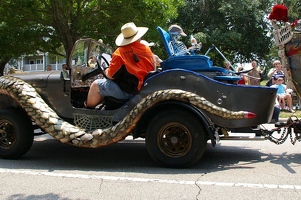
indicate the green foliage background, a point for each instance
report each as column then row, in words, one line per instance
column 239, row 29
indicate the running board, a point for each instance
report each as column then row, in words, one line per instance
column 257, row 138
column 242, row 136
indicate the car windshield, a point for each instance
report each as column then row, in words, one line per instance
column 83, row 59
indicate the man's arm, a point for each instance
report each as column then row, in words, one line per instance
column 107, row 74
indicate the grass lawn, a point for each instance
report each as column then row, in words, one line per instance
column 286, row 114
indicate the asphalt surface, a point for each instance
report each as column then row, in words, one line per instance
column 234, row 169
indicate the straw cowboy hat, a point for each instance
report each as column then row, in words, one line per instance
column 129, row 34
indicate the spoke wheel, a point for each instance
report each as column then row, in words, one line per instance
column 174, row 140
column 8, row 134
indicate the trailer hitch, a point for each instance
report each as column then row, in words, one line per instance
column 284, row 130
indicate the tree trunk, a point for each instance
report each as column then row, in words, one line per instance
column 3, row 61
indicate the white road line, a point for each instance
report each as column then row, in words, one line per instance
column 116, row 178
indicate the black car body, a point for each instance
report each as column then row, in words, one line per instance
column 178, row 109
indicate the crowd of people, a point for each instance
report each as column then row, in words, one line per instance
column 277, row 79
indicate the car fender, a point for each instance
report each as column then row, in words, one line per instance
column 143, row 122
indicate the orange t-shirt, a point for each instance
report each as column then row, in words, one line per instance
column 126, row 71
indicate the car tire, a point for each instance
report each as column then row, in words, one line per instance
column 16, row 133
column 176, row 138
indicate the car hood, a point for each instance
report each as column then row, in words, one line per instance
column 36, row 79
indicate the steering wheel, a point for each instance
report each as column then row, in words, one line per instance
column 99, row 70
column 102, row 65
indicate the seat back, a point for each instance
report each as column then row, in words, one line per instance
column 166, row 40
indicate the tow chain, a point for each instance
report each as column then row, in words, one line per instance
column 291, row 128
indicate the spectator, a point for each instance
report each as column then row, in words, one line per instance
column 276, row 70
column 130, row 62
column 48, row 68
column 92, row 62
column 276, row 111
column 244, row 79
column 254, row 75
column 282, row 95
column 65, row 72
column 227, row 65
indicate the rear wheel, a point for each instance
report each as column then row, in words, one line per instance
column 176, row 138
column 16, row 133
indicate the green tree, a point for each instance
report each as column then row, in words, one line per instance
column 294, row 9
column 238, row 28
column 17, row 40
column 60, row 23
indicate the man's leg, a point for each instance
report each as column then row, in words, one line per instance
column 276, row 113
column 94, row 98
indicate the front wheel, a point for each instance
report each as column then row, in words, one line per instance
column 176, row 138
column 16, row 133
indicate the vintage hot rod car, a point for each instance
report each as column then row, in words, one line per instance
column 181, row 106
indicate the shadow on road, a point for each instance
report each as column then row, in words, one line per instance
column 132, row 156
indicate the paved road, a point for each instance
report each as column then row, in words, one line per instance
column 231, row 170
